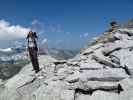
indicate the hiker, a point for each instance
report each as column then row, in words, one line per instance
column 33, row 50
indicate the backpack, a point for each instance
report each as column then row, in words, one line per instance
column 32, row 40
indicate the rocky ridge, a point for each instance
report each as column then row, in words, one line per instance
column 103, row 71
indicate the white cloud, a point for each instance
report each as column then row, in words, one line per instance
column 59, row 41
column 12, row 32
column 41, row 27
column 37, row 26
column 84, row 35
column 35, row 22
column 45, row 40
column 54, row 28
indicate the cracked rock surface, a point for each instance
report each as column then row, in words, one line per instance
column 103, row 71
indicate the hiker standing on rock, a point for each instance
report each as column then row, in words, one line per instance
column 33, row 50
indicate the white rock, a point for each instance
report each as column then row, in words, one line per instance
column 109, row 74
column 100, row 95
column 90, row 65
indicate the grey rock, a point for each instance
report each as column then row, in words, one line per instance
column 97, row 73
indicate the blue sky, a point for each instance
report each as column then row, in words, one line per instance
column 65, row 23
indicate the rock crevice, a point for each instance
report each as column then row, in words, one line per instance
column 103, row 69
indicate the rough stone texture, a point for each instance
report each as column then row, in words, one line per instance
column 100, row 72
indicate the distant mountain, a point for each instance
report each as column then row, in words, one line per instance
column 59, row 53
column 62, row 54
column 11, row 51
column 102, row 71
column 13, row 59
column 19, row 53
column 6, row 50
column 56, row 52
column 12, row 54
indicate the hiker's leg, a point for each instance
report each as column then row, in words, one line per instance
column 36, row 65
column 35, row 59
column 31, row 56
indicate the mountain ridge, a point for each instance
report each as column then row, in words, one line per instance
column 102, row 71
